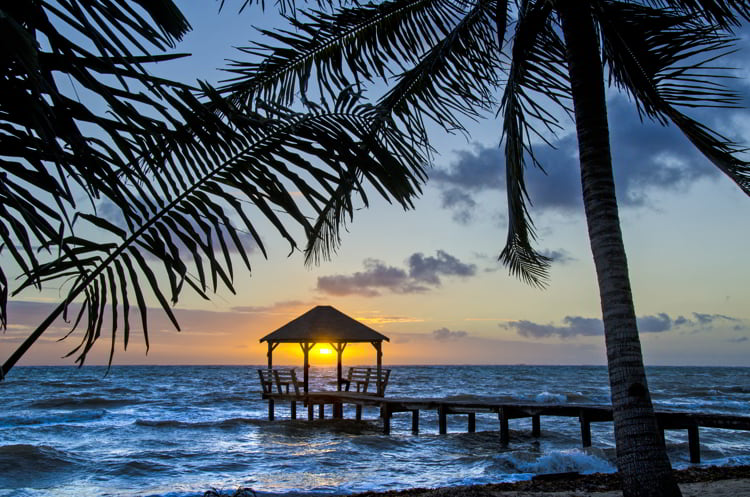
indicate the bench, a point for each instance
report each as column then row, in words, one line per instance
column 363, row 377
column 282, row 378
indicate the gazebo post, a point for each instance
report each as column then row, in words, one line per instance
column 306, row 348
column 271, row 347
column 339, row 347
column 379, row 354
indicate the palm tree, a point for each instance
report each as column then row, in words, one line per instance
column 175, row 179
column 444, row 66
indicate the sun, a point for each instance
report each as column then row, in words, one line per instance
column 325, row 351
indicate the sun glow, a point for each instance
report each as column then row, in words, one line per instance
column 325, row 351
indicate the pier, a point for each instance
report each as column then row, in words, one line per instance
column 586, row 414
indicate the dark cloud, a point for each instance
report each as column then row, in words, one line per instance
column 647, row 157
column 461, row 203
column 654, row 324
column 559, row 256
column 705, row 319
column 428, row 269
column 367, row 283
column 422, row 274
column 444, row 334
column 581, row 326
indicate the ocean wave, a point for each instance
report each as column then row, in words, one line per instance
column 34, row 466
column 52, row 418
column 174, row 423
column 81, row 402
column 555, row 461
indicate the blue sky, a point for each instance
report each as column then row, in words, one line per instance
column 429, row 278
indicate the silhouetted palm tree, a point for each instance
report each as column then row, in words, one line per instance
column 443, row 61
column 116, row 184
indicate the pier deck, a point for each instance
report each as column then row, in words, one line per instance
column 505, row 411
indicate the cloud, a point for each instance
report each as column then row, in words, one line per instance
column 421, row 275
column 428, row 269
column 581, row 326
column 461, row 203
column 738, row 339
column 444, row 334
column 663, row 160
column 559, row 256
column 367, row 283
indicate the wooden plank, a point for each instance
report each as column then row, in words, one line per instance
column 536, row 428
column 472, row 422
column 415, row 421
column 442, row 421
column 293, row 409
column 270, row 410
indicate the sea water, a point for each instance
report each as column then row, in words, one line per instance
column 178, row 431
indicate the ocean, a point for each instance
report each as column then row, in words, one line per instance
column 178, row 431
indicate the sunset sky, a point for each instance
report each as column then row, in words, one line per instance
column 429, row 278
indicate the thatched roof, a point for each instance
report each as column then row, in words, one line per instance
column 324, row 324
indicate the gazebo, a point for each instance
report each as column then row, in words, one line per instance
column 324, row 324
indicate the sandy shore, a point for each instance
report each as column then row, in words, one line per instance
column 694, row 482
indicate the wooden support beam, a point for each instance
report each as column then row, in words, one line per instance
column 321, row 411
column 293, row 409
column 358, row 414
column 310, row 413
column 270, row 410
column 504, row 429
column 415, row 421
column 442, row 420
column 695, row 447
column 472, row 422
column 385, row 413
column 536, row 426
column 585, row 430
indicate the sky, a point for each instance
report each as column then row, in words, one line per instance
column 429, row 279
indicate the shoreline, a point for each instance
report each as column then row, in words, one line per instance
column 711, row 481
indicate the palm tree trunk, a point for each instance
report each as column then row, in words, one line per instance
column 641, row 454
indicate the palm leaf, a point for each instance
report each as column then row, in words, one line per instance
column 537, row 70
column 258, row 158
column 664, row 62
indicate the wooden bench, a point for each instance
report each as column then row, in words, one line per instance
column 282, row 378
column 363, row 377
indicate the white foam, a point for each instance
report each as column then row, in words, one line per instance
column 562, row 461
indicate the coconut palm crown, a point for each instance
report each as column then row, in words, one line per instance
column 443, row 61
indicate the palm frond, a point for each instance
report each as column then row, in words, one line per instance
column 537, row 69
column 230, row 175
column 455, row 77
column 339, row 49
column 726, row 14
column 663, row 61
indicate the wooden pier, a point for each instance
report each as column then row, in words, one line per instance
column 586, row 414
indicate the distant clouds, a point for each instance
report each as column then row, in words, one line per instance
column 421, row 274
column 444, row 334
column 581, row 326
column 646, row 157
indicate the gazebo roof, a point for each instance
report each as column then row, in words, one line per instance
column 323, row 324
